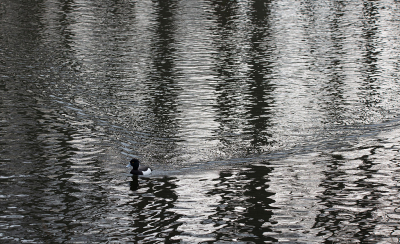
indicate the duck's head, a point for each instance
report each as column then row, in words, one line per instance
column 134, row 163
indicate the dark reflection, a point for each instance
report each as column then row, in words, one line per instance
column 226, row 13
column 234, row 89
column 337, row 62
column 371, row 52
column 229, row 88
column 134, row 184
column 351, row 199
column 245, row 208
column 228, row 98
column 24, row 153
column 117, row 19
column 67, row 7
column 48, row 154
column 260, row 87
column 260, row 210
column 327, row 50
column 162, row 87
column 149, row 215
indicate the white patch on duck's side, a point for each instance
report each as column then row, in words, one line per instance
column 147, row 172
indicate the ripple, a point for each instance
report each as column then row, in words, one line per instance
column 264, row 121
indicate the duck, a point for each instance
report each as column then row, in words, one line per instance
column 137, row 169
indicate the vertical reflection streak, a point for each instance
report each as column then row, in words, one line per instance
column 193, row 210
column 296, row 184
column 371, row 84
column 260, row 85
column 231, row 87
column 197, row 80
column 162, row 88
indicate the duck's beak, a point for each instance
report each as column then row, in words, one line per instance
column 129, row 165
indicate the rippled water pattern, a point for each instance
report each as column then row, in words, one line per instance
column 263, row 121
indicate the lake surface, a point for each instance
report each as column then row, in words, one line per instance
column 264, row 121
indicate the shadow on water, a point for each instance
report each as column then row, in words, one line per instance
column 251, row 88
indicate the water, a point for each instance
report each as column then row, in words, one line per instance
column 264, row 121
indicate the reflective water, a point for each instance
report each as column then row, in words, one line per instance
column 264, row 121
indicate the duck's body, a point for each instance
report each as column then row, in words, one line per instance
column 137, row 169
column 141, row 171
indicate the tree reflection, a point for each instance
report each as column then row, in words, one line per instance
column 244, row 96
column 370, row 88
column 150, row 215
column 245, row 207
column 35, row 134
column 350, row 198
column 229, row 86
column 260, row 88
column 327, row 48
column 162, row 87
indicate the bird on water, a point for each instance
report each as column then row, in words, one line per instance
column 137, row 169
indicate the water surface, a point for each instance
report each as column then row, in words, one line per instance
column 264, row 121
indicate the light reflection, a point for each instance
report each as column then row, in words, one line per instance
column 296, row 183
column 195, row 207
